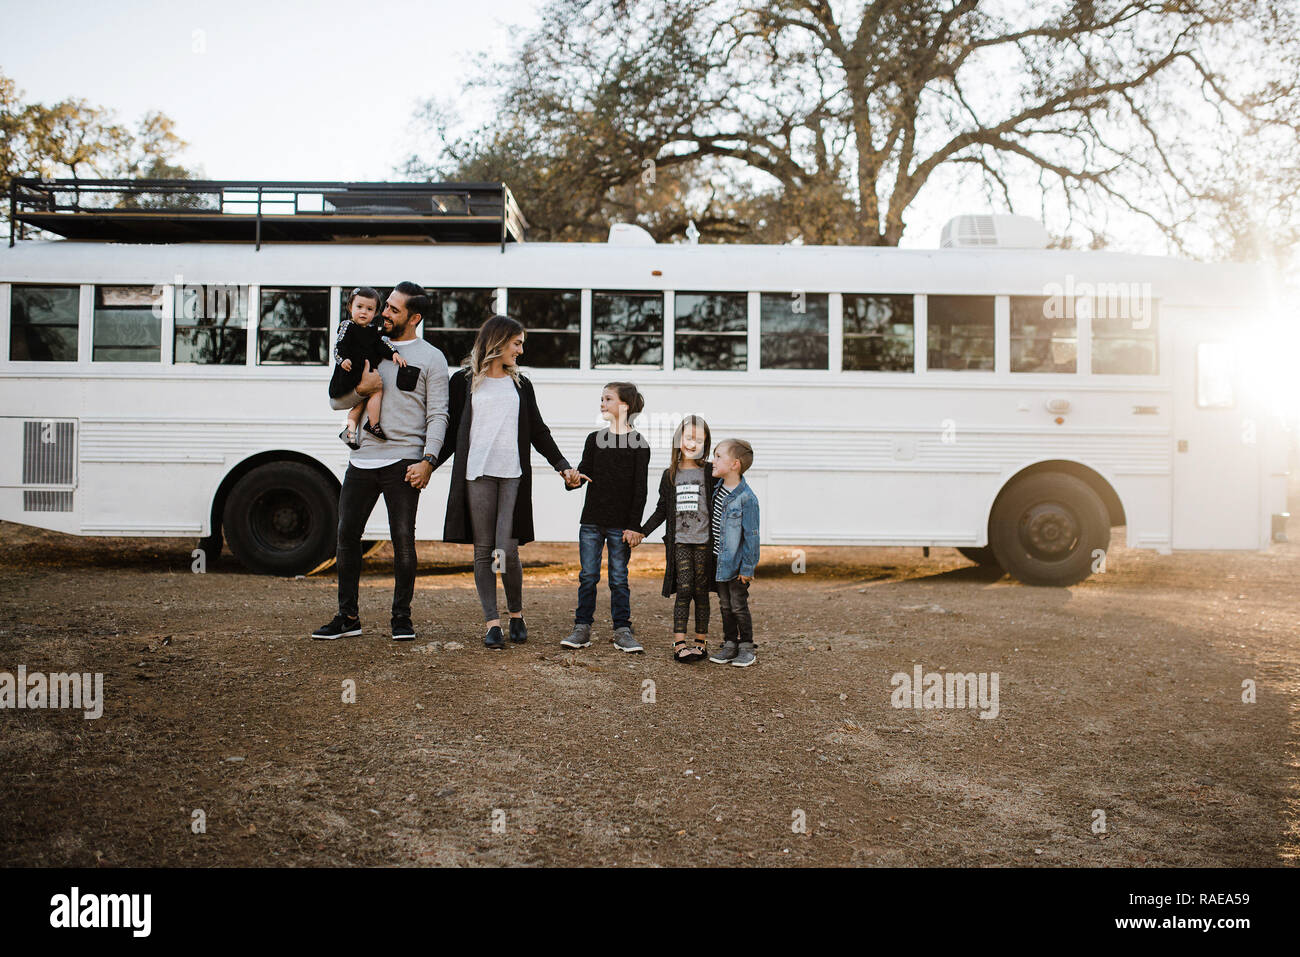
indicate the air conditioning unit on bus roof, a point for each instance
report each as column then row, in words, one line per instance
column 982, row 230
column 629, row 234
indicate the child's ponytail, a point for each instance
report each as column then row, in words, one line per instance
column 627, row 394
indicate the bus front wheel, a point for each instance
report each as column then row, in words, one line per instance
column 1049, row 529
column 281, row 519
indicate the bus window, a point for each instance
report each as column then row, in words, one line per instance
column 212, row 324
column 878, row 332
column 1215, row 365
column 43, row 323
column 960, row 332
column 711, row 331
column 457, row 314
column 627, row 329
column 1123, row 335
column 1044, row 336
column 294, row 326
column 127, row 326
column 794, row 330
column 553, row 318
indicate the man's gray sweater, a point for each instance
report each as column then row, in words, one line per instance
column 416, row 421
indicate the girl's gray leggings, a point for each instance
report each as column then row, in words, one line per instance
column 491, row 511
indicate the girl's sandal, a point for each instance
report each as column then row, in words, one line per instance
column 350, row 439
column 682, row 654
column 376, row 430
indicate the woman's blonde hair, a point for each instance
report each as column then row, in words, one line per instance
column 490, row 343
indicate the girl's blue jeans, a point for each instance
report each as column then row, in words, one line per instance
column 592, row 540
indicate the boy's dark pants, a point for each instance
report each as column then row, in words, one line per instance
column 733, row 599
column 361, row 489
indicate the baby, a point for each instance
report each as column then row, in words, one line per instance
column 360, row 341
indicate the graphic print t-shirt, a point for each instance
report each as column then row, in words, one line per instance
column 692, row 526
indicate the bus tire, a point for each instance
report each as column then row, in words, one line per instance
column 983, row 557
column 1046, row 529
column 281, row 519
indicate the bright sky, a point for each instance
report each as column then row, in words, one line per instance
column 275, row 89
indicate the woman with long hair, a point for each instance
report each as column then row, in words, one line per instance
column 494, row 421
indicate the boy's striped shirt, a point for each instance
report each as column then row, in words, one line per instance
column 720, row 494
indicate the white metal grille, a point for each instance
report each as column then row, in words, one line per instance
column 49, row 461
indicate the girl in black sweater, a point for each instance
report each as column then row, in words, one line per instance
column 615, row 461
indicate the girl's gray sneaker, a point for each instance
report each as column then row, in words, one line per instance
column 624, row 641
column 726, row 652
column 746, row 656
column 580, row 638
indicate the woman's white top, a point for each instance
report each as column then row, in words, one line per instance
column 494, row 430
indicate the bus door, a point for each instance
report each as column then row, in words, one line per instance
column 1217, row 441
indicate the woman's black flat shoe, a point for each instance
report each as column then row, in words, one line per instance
column 494, row 639
column 518, row 631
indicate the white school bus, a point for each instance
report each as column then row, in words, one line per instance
column 1014, row 402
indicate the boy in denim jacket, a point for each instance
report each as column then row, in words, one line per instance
column 735, row 538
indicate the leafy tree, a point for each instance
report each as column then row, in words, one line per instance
column 76, row 139
column 825, row 121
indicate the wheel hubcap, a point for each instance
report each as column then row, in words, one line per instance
column 1049, row 531
column 281, row 519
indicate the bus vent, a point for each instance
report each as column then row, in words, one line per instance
column 49, row 457
column 46, row 501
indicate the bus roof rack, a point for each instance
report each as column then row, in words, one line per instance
column 253, row 211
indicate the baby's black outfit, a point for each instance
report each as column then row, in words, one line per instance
column 361, row 344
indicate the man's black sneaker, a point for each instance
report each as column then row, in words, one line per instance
column 340, row 627
column 403, row 630
column 518, row 631
column 494, row 639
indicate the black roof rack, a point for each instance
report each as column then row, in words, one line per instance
column 187, row 211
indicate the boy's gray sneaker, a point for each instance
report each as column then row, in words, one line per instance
column 624, row 641
column 726, row 652
column 746, row 656
column 580, row 638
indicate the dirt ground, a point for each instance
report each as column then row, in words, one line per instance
column 1121, row 695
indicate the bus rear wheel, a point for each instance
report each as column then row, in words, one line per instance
column 281, row 519
column 981, row 556
column 1047, row 529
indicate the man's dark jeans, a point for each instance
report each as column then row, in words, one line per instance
column 592, row 540
column 361, row 489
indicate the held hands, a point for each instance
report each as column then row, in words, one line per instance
column 573, row 478
column 418, row 475
column 632, row 537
